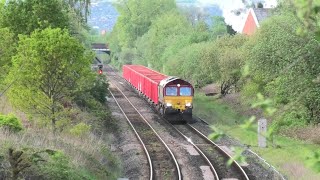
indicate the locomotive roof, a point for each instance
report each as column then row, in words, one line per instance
column 173, row 79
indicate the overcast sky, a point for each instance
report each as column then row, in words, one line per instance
column 228, row 6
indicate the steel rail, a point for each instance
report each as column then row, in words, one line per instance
column 210, row 142
column 166, row 146
column 221, row 150
column 216, row 177
column 138, row 136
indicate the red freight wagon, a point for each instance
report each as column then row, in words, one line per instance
column 144, row 79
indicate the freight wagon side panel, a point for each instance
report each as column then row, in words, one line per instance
column 125, row 73
column 147, row 87
column 135, row 79
column 154, row 92
column 144, row 79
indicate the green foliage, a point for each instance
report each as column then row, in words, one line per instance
column 48, row 67
column 136, row 16
column 82, row 8
column 80, row 129
column 11, row 122
column 99, row 90
column 295, row 116
column 218, row 61
column 165, row 28
column 58, row 166
column 284, row 65
column 313, row 161
column 215, row 112
column 238, row 157
column 265, row 104
column 219, row 27
column 7, row 50
column 308, row 13
column 231, row 61
column 216, row 134
column 200, row 59
column 23, row 17
column 248, row 123
column 127, row 56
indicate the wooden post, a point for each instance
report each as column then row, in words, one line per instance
column 262, row 130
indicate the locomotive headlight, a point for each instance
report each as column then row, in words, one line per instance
column 188, row 104
column 169, row 104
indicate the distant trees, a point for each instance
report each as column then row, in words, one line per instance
column 136, row 16
column 282, row 64
column 81, row 7
column 219, row 27
column 170, row 42
column 46, row 71
column 163, row 30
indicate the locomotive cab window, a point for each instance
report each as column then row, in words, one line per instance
column 185, row 91
column 171, row 91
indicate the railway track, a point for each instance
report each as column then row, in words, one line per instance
column 162, row 163
column 215, row 157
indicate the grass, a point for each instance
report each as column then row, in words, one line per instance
column 290, row 155
column 214, row 112
column 87, row 157
column 83, row 153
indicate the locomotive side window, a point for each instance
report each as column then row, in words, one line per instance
column 171, row 91
column 185, row 91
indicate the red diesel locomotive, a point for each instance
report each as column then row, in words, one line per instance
column 171, row 95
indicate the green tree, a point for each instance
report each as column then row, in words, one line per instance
column 162, row 31
column 219, row 27
column 231, row 61
column 308, row 12
column 196, row 62
column 24, row 16
column 7, row 50
column 46, row 71
column 81, row 7
column 286, row 65
column 136, row 17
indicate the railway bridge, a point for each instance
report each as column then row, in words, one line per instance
column 101, row 50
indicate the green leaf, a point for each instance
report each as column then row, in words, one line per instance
column 248, row 123
column 217, row 133
column 238, row 157
column 246, row 71
column 313, row 161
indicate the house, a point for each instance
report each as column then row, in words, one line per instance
column 254, row 18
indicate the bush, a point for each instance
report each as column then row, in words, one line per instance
column 11, row 122
column 58, row 166
column 295, row 116
column 80, row 129
column 100, row 89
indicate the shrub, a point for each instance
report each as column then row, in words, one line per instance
column 295, row 116
column 100, row 89
column 80, row 129
column 11, row 122
column 58, row 166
